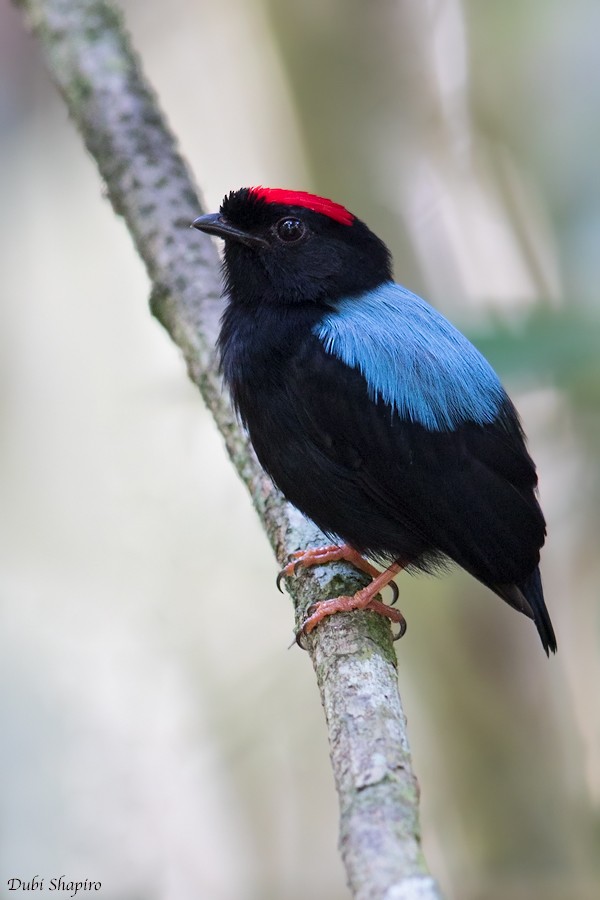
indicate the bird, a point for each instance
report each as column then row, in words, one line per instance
column 372, row 413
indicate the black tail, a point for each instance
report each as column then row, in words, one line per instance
column 528, row 598
column 533, row 592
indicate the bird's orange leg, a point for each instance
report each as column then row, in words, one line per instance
column 363, row 599
column 317, row 556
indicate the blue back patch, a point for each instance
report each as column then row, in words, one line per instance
column 412, row 358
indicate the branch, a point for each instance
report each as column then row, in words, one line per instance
column 95, row 68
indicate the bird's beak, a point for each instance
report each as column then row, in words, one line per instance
column 214, row 223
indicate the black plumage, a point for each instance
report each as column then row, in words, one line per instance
column 406, row 454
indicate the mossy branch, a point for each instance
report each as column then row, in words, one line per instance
column 94, row 66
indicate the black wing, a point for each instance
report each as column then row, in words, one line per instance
column 389, row 486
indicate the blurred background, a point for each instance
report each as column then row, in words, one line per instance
column 157, row 735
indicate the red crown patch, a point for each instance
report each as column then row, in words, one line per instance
column 301, row 198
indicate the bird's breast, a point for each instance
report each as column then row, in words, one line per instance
column 259, row 349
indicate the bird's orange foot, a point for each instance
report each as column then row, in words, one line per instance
column 363, row 599
column 317, row 556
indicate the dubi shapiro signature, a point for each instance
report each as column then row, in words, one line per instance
column 61, row 883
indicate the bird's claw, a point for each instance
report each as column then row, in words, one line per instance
column 300, row 634
column 287, row 571
column 395, row 593
column 402, row 626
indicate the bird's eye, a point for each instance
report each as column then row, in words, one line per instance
column 290, row 230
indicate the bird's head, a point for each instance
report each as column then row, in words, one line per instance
column 288, row 247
